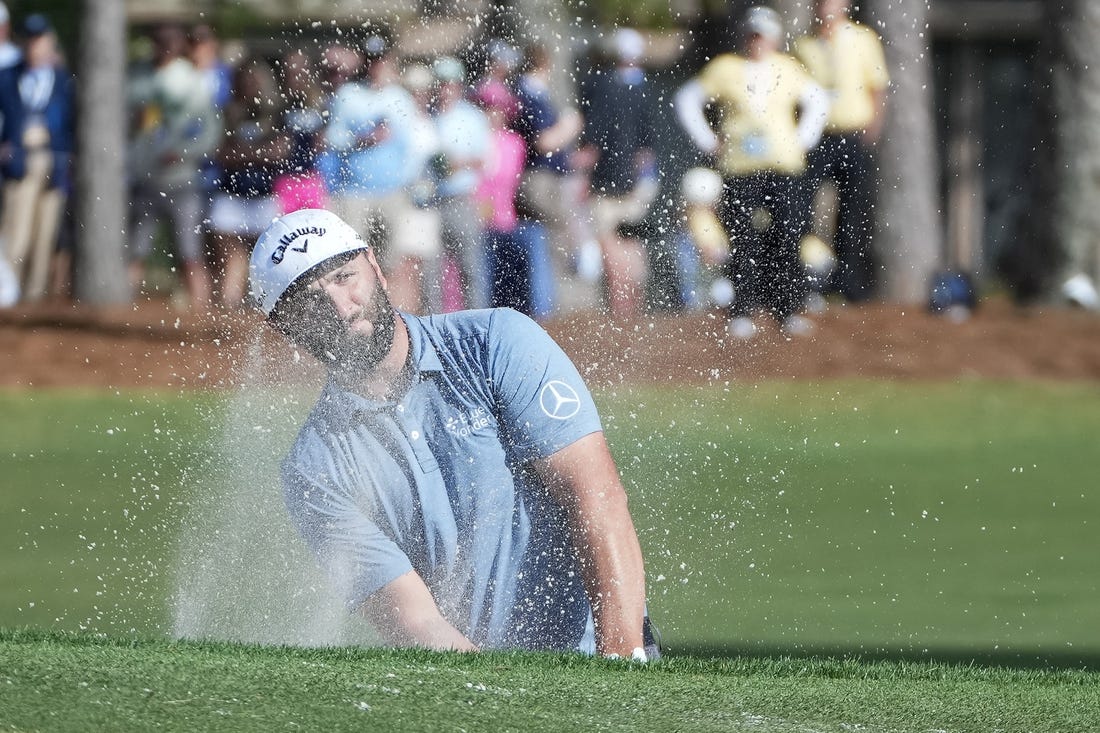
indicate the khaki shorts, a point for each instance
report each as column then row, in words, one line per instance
column 393, row 225
column 608, row 212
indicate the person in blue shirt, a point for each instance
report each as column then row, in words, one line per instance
column 37, row 129
column 453, row 477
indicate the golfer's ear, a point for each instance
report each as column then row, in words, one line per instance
column 377, row 268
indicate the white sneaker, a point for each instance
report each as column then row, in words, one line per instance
column 741, row 327
column 797, row 325
column 589, row 261
column 9, row 284
column 721, row 292
column 1080, row 291
column 816, row 303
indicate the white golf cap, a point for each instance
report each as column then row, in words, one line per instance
column 629, row 45
column 293, row 245
column 763, row 21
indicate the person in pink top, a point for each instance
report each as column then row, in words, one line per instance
column 496, row 198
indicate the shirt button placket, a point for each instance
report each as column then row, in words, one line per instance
column 414, row 434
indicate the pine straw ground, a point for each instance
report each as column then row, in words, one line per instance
column 150, row 345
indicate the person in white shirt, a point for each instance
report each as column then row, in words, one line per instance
column 464, row 137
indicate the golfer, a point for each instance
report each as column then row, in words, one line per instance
column 453, row 477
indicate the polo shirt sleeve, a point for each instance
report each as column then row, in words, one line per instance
column 542, row 403
column 356, row 554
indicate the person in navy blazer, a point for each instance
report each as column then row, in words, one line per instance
column 36, row 150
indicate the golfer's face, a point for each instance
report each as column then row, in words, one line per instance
column 350, row 324
column 355, row 289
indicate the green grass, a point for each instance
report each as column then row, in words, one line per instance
column 62, row 683
column 787, row 527
column 92, row 502
column 954, row 521
column 951, row 520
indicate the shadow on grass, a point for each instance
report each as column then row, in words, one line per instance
column 1034, row 659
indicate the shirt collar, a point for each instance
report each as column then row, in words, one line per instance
column 424, row 356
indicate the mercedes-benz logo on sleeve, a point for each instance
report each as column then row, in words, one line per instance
column 559, row 401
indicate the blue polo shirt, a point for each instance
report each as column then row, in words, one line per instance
column 439, row 481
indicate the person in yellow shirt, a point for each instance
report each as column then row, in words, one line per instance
column 770, row 112
column 847, row 59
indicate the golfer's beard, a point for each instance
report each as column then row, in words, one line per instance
column 359, row 352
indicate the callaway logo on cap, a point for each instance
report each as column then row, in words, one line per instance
column 294, row 244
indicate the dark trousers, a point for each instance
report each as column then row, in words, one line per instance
column 764, row 216
column 521, row 271
column 510, row 271
column 847, row 161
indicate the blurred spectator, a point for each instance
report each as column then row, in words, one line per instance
column 771, row 113
column 176, row 128
column 848, row 61
column 368, row 162
column 300, row 186
column 204, row 50
column 36, row 102
column 339, row 65
column 623, row 182
column 9, row 52
column 498, row 82
column 463, row 132
column 550, row 134
column 509, row 263
column 417, row 275
column 254, row 151
column 9, row 56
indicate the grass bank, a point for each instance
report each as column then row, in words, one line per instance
column 78, row 683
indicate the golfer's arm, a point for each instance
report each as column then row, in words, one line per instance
column 583, row 478
column 405, row 614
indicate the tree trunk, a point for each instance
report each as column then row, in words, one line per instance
column 797, row 15
column 101, row 206
column 1076, row 160
column 909, row 231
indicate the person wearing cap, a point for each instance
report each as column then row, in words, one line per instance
column 619, row 130
column 512, row 269
column 177, row 129
column 255, row 149
column 416, row 274
column 847, row 59
column 369, row 162
column 463, row 133
column 771, row 113
column 453, row 476
column 548, row 195
column 37, row 99
column 498, row 81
